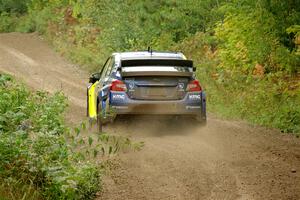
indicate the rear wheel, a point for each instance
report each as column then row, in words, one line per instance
column 99, row 117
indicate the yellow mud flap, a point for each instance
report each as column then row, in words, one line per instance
column 92, row 100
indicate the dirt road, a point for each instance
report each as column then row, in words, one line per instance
column 224, row 160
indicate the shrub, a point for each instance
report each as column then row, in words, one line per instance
column 271, row 100
column 7, row 22
column 33, row 146
column 14, row 6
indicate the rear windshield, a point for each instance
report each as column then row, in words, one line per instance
column 157, row 62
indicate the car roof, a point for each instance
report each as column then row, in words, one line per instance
column 149, row 55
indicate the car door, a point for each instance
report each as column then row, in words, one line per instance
column 105, row 84
column 94, row 90
column 105, row 80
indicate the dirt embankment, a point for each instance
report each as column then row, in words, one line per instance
column 224, row 160
column 29, row 58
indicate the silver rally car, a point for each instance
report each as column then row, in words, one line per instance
column 145, row 82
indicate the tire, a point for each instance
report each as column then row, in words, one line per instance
column 99, row 118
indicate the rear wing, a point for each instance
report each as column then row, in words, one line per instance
column 157, row 67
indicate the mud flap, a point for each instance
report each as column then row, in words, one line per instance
column 106, row 113
column 92, row 101
column 203, row 106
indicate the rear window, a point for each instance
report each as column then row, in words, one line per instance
column 157, row 62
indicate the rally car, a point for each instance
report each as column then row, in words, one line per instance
column 145, row 82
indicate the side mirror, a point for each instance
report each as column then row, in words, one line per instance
column 194, row 69
column 94, row 77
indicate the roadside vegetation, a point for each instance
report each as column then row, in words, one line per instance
column 247, row 52
column 42, row 158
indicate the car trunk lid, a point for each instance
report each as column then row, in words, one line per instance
column 156, row 88
column 156, row 79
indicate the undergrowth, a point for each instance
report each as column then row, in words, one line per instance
column 271, row 99
column 42, row 158
column 247, row 52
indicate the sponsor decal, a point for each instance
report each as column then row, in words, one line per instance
column 118, row 96
column 194, row 97
column 181, row 86
column 131, row 86
column 120, row 107
column 192, row 107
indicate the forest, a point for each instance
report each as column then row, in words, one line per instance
column 247, row 52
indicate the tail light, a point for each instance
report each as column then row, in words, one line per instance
column 118, row 85
column 194, row 86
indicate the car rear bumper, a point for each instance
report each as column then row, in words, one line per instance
column 194, row 103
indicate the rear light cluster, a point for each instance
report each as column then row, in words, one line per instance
column 194, row 86
column 118, row 85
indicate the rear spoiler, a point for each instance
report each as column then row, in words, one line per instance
column 158, row 62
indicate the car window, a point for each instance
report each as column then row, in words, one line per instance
column 110, row 67
column 105, row 69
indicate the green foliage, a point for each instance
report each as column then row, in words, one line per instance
column 38, row 113
column 13, row 6
column 34, row 150
column 14, row 189
column 99, row 145
column 257, row 64
column 7, row 22
column 247, row 52
column 10, row 13
column 278, row 107
column 294, row 29
column 87, row 32
column 271, row 100
column 42, row 158
column 249, row 36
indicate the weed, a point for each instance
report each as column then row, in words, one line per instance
column 33, row 148
column 42, row 158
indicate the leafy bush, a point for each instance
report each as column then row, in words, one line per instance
column 270, row 100
column 249, row 37
column 33, row 146
column 14, row 6
column 10, row 12
column 42, row 156
column 247, row 51
column 7, row 22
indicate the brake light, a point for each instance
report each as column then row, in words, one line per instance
column 194, row 86
column 118, row 85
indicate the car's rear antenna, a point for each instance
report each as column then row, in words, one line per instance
column 150, row 50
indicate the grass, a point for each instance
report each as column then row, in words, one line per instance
column 271, row 100
column 42, row 158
